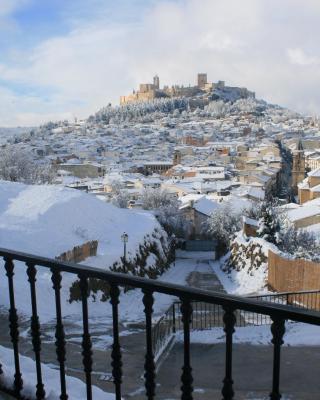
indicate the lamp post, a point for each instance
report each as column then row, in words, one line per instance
column 173, row 236
column 124, row 239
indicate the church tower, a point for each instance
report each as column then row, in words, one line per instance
column 156, row 82
column 177, row 157
column 298, row 167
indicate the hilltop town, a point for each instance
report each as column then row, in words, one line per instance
column 159, row 200
column 204, row 186
column 233, row 151
column 207, row 146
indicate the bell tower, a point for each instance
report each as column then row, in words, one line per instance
column 298, row 167
column 156, row 82
column 177, row 156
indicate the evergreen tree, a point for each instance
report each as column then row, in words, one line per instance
column 269, row 226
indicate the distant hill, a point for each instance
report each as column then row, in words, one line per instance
column 7, row 133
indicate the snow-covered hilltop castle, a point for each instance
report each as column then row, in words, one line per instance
column 150, row 91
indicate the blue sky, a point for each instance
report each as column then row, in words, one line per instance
column 67, row 58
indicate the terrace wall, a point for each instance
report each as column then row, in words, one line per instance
column 79, row 253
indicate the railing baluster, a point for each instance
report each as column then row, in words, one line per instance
column 35, row 330
column 173, row 318
column 278, row 330
column 86, row 340
column 186, row 377
column 229, row 320
column 14, row 327
column 59, row 333
column 149, row 359
column 116, row 348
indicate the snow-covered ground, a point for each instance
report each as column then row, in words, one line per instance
column 76, row 389
column 250, row 258
column 240, row 282
column 297, row 334
column 48, row 220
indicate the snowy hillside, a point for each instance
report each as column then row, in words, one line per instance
column 48, row 220
column 247, row 266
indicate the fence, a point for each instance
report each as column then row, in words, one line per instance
column 297, row 275
column 80, row 253
column 206, row 316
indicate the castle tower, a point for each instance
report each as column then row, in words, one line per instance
column 298, row 167
column 202, row 80
column 156, row 82
column 177, row 156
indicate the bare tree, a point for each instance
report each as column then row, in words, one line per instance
column 222, row 226
column 120, row 196
column 167, row 211
column 298, row 243
column 153, row 199
column 17, row 165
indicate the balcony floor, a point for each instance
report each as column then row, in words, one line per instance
column 5, row 397
column 252, row 372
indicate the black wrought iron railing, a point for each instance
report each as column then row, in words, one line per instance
column 230, row 306
column 206, row 316
column 308, row 299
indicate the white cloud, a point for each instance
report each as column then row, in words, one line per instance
column 245, row 43
column 299, row 57
column 7, row 7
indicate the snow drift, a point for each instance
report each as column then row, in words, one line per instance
column 48, row 220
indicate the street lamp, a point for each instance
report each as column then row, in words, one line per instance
column 124, row 239
column 173, row 237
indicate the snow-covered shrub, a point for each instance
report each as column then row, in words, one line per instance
column 269, row 224
column 120, row 196
column 151, row 260
column 144, row 111
column 299, row 243
column 153, row 199
column 246, row 105
column 166, row 210
column 275, row 228
column 217, row 108
column 17, row 165
column 248, row 262
column 247, row 253
column 222, row 226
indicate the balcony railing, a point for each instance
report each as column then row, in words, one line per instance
column 230, row 307
column 206, row 316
